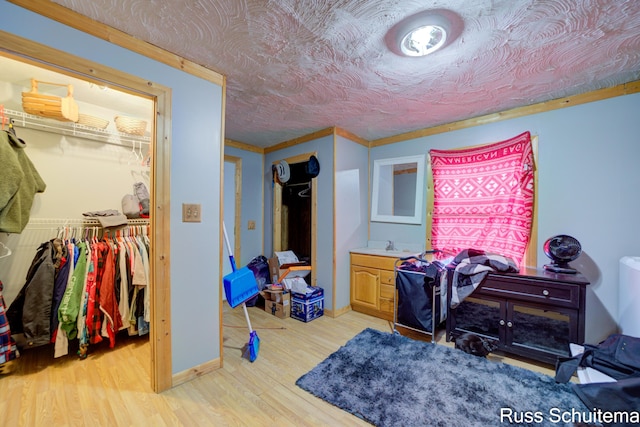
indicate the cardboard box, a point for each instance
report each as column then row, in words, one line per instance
column 277, row 302
column 307, row 306
column 294, row 274
column 284, row 273
column 274, row 269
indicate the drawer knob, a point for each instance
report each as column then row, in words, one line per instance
column 545, row 293
column 501, row 322
column 510, row 325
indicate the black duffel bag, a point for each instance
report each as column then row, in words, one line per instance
column 260, row 268
column 618, row 356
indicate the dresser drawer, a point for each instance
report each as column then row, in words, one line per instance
column 557, row 294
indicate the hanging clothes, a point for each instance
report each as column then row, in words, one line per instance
column 60, row 338
column 60, row 282
column 85, row 289
column 70, row 304
column 19, row 184
column 8, row 349
column 108, row 301
column 30, row 313
column 94, row 319
column 123, row 284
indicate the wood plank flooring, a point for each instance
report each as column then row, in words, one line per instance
column 112, row 386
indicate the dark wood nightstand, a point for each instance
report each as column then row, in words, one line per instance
column 535, row 314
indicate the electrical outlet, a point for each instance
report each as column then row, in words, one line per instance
column 251, row 225
column 191, row 212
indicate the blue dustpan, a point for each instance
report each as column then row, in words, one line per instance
column 239, row 286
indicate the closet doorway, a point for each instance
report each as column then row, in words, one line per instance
column 294, row 212
column 232, row 209
column 49, row 64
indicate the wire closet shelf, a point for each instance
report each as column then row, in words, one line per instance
column 110, row 137
column 59, row 224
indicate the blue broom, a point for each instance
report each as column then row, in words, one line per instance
column 239, row 286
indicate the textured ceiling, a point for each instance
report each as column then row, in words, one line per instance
column 296, row 66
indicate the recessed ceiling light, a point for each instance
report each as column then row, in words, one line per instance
column 423, row 40
column 424, row 32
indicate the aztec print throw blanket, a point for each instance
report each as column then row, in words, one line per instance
column 483, row 197
column 471, row 267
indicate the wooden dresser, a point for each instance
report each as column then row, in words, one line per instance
column 373, row 284
column 535, row 314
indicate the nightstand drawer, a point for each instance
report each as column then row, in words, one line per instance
column 558, row 294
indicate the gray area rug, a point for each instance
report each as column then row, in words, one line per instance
column 390, row 380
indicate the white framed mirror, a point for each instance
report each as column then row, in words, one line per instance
column 397, row 191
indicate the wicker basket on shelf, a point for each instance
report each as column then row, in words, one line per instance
column 52, row 107
column 92, row 121
column 131, row 125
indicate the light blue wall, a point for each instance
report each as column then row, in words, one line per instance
column 323, row 269
column 252, row 195
column 588, row 188
column 195, row 178
column 352, row 204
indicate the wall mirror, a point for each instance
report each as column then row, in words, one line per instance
column 397, row 192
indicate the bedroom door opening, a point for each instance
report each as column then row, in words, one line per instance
column 294, row 213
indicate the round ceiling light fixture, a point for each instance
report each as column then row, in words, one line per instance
column 423, row 40
column 424, row 32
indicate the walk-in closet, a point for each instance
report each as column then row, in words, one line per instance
column 74, row 260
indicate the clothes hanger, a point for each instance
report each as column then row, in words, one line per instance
column 7, row 249
column 141, row 158
column 305, row 192
column 12, row 129
column 133, row 153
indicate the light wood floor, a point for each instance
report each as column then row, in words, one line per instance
column 112, row 387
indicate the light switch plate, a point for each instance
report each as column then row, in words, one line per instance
column 191, row 212
column 251, row 225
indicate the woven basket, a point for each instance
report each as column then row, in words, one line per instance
column 92, row 121
column 130, row 125
column 49, row 106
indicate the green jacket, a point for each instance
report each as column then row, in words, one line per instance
column 70, row 305
column 19, row 182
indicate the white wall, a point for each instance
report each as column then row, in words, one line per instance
column 351, row 210
column 195, row 178
column 588, row 180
